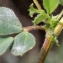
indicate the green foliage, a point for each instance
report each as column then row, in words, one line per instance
column 61, row 2
column 54, row 21
column 32, row 10
column 46, row 16
column 23, row 42
column 50, row 5
column 9, row 23
column 40, row 18
column 5, row 42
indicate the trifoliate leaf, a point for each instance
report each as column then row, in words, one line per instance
column 5, row 43
column 50, row 5
column 9, row 23
column 23, row 42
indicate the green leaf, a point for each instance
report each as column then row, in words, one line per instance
column 39, row 18
column 5, row 43
column 32, row 10
column 54, row 21
column 23, row 42
column 9, row 23
column 50, row 5
column 61, row 2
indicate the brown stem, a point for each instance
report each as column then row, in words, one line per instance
column 48, row 40
column 29, row 28
column 45, row 49
column 37, row 4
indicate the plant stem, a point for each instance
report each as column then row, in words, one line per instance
column 49, row 39
column 59, row 27
column 37, row 4
column 45, row 49
column 49, row 42
column 29, row 28
column 60, row 15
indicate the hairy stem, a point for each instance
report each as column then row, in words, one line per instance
column 49, row 42
column 45, row 48
column 48, row 39
column 29, row 28
column 37, row 4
